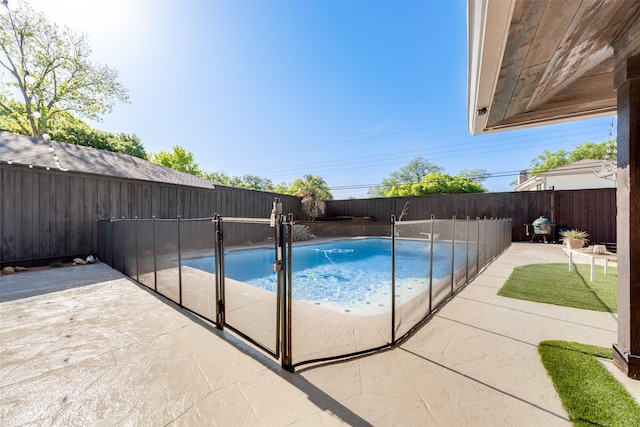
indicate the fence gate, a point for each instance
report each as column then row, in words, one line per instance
column 250, row 276
column 230, row 271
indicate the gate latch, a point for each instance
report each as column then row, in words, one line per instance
column 277, row 266
column 276, row 211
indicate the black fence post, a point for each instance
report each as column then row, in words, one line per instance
column 453, row 250
column 179, row 266
column 485, row 242
column 135, row 234
column 122, row 246
column 280, row 269
column 219, row 268
column 478, row 248
column 286, row 326
column 112, row 264
column 433, row 219
column 280, row 266
column 155, row 268
column 100, row 239
column 466, row 275
column 393, row 279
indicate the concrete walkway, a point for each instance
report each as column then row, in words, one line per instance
column 87, row 346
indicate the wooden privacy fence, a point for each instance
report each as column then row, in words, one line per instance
column 593, row 211
column 47, row 215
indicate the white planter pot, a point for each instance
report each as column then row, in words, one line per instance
column 574, row 243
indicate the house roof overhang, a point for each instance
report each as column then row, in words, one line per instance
column 541, row 62
column 531, row 182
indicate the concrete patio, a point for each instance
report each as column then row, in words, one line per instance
column 88, row 346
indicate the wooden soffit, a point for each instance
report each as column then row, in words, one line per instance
column 537, row 62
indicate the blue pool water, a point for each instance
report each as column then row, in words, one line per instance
column 346, row 272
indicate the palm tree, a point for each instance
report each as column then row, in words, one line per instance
column 312, row 204
column 314, row 191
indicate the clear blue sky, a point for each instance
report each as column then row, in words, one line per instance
column 350, row 91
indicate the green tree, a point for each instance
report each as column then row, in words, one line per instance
column 178, row 159
column 254, row 182
column 588, row 150
column 66, row 128
column 414, row 171
column 548, row 161
column 218, row 177
column 127, row 144
column 477, row 174
column 591, row 150
column 13, row 118
column 282, row 188
column 49, row 69
column 436, row 183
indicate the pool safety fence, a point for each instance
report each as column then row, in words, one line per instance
column 306, row 292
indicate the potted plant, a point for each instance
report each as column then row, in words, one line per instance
column 574, row 239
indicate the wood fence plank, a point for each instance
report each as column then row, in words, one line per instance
column 90, row 226
column 67, row 196
column 102, row 200
column 25, row 194
column 35, row 219
column 10, row 213
column 114, row 199
column 125, row 200
column 147, row 201
column 77, row 214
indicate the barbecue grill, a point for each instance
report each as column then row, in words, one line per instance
column 542, row 227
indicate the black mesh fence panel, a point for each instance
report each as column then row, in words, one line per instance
column 473, row 249
column 341, row 289
column 413, row 271
column 107, row 256
column 250, row 284
column 144, row 245
column 166, row 245
column 460, row 262
column 118, row 245
column 130, row 263
column 103, row 227
column 482, row 244
column 197, row 244
column 442, row 261
column 491, row 240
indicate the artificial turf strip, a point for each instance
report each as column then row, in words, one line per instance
column 588, row 391
column 555, row 284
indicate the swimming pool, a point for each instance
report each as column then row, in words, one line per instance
column 346, row 275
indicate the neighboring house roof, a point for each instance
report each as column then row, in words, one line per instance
column 587, row 166
column 26, row 151
column 581, row 167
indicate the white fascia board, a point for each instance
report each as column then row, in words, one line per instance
column 488, row 24
column 530, row 183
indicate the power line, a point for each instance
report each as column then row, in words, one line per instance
column 485, row 144
column 376, row 159
column 363, row 138
column 386, row 162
